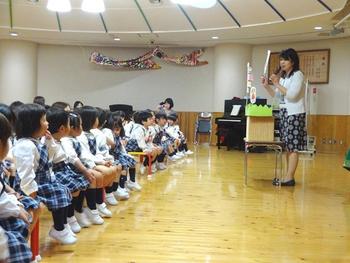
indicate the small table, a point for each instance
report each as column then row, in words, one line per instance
column 273, row 145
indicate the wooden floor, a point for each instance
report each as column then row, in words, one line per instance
column 198, row 210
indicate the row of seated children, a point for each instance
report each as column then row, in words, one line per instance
column 157, row 134
column 55, row 160
column 58, row 158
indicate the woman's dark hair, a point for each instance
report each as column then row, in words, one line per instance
column 88, row 115
column 60, row 105
column 56, row 118
column 74, row 120
column 142, row 116
column 170, row 102
column 78, row 104
column 102, row 116
column 291, row 55
column 39, row 100
column 28, row 119
column 5, row 130
column 6, row 111
column 160, row 115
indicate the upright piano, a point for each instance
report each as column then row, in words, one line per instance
column 231, row 130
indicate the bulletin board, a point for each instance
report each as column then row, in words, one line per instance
column 313, row 63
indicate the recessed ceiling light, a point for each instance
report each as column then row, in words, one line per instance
column 116, row 39
column 318, row 28
column 215, row 37
column 13, row 34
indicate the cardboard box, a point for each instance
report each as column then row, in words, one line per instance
column 260, row 129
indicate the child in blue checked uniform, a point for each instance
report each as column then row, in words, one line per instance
column 14, row 220
column 118, row 189
column 173, row 130
column 80, row 163
column 89, row 147
column 115, row 123
column 77, row 183
column 103, row 144
column 139, row 140
column 161, row 139
column 34, row 169
column 9, row 173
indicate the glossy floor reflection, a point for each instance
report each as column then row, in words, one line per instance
column 198, row 210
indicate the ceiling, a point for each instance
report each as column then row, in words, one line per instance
column 141, row 23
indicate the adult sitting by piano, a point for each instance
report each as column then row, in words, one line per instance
column 166, row 106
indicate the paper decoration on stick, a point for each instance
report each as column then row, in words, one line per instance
column 146, row 60
column 266, row 67
column 249, row 77
column 252, row 95
column 249, row 81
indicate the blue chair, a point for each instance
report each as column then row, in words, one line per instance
column 203, row 125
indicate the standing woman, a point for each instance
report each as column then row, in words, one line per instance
column 289, row 82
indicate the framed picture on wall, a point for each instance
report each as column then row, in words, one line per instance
column 313, row 63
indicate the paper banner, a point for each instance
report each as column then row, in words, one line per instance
column 145, row 61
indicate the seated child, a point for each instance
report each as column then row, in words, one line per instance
column 127, row 161
column 102, row 149
column 140, row 140
column 14, row 220
column 162, row 140
column 77, row 183
column 174, row 131
column 110, row 172
column 80, row 163
column 34, row 169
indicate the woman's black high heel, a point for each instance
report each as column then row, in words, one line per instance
column 276, row 182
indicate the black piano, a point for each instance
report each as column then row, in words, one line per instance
column 231, row 130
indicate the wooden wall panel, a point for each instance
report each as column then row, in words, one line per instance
column 332, row 131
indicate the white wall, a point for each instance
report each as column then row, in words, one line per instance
column 230, row 77
column 18, row 71
column 64, row 73
column 332, row 98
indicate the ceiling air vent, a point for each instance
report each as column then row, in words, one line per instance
column 156, row 2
